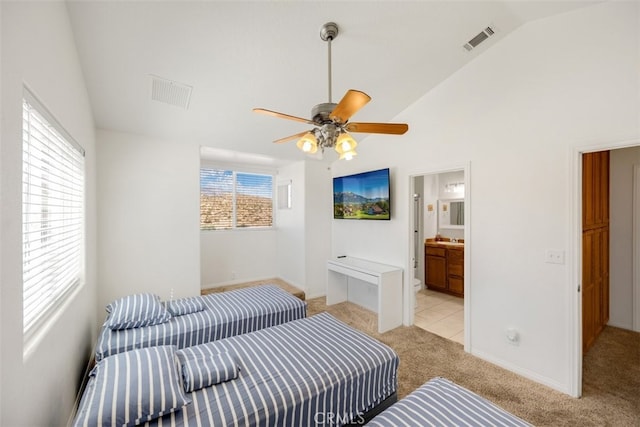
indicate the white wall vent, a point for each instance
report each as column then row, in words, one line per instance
column 170, row 92
column 482, row 36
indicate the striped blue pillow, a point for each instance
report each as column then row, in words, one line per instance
column 180, row 307
column 134, row 311
column 132, row 388
column 203, row 368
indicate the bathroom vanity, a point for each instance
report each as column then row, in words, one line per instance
column 444, row 266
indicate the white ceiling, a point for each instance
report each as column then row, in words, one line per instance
column 238, row 55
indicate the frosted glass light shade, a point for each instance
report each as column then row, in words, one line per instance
column 345, row 143
column 308, row 143
column 348, row 155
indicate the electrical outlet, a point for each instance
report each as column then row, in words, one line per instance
column 233, row 275
column 553, row 256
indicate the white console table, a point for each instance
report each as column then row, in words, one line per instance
column 384, row 282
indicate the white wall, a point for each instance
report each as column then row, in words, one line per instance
column 621, row 238
column 38, row 49
column 237, row 256
column 149, row 217
column 318, row 217
column 150, row 240
column 304, row 230
column 290, row 224
column 430, row 198
column 450, row 178
column 521, row 108
column 1, row 215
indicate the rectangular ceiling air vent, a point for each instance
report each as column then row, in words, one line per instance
column 482, row 36
column 170, row 92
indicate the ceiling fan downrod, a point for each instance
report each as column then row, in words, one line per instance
column 328, row 33
column 331, row 121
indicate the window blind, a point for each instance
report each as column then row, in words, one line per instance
column 230, row 199
column 216, row 199
column 52, row 214
column 254, row 200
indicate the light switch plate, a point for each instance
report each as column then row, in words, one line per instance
column 554, row 256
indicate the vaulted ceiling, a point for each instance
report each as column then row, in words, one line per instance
column 236, row 55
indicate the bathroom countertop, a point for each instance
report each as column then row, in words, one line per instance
column 444, row 242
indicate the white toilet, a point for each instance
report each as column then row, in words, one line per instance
column 417, row 285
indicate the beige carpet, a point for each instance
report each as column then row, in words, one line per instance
column 611, row 390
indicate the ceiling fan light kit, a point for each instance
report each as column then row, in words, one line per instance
column 346, row 146
column 308, row 143
column 331, row 120
column 348, row 155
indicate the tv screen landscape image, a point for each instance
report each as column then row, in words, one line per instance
column 362, row 196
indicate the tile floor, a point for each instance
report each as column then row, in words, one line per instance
column 440, row 314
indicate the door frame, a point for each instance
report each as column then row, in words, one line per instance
column 636, row 248
column 574, row 290
column 466, row 168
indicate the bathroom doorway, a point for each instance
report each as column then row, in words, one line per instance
column 439, row 228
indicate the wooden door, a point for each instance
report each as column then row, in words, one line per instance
column 595, row 246
column 435, row 265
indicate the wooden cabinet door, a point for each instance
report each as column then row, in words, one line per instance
column 455, row 268
column 456, row 286
column 589, row 294
column 604, row 302
column 595, row 189
column 444, row 269
column 436, row 272
column 455, row 257
column 595, row 246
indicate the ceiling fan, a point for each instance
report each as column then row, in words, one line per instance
column 331, row 121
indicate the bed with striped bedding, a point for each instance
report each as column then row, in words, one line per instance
column 312, row 371
column 440, row 402
column 226, row 314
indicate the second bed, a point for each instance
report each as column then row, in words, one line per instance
column 221, row 315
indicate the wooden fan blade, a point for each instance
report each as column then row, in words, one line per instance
column 350, row 103
column 389, row 128
column 289, row 138
column 282, row 115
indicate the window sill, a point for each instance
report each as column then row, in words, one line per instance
column 240, row 229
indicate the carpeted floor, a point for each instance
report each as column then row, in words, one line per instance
column 611, row 379
column 611, row 370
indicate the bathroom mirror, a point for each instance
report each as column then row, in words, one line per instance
column 451, row 213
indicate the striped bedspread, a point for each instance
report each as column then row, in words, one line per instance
column 226, row 314
column 314, row 371
column 440, row 402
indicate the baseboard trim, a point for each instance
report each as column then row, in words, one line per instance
column 563, row 388
column 312, row 296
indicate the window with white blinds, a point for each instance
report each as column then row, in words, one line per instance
column 230, row 199
column 52, row 214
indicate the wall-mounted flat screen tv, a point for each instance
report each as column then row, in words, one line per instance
column 362, row 196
